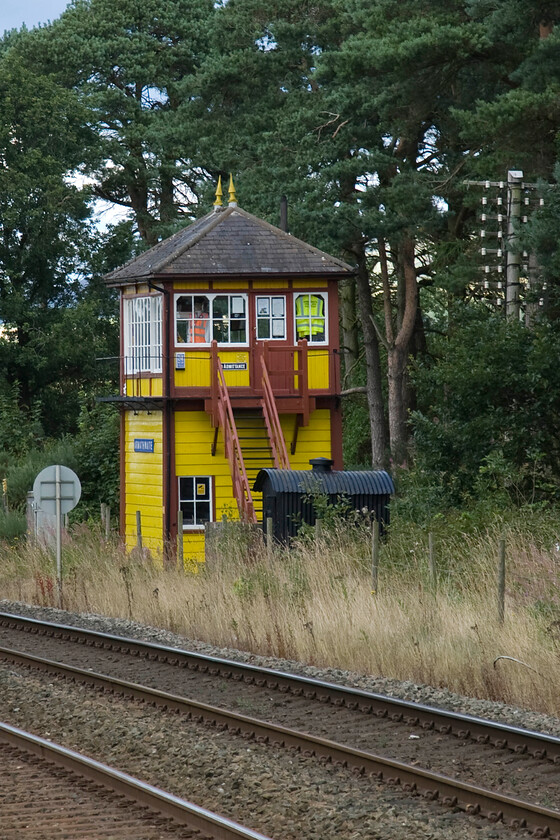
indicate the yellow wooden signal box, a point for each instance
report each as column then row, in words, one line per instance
column 229, row 364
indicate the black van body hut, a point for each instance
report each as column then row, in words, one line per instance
column 288, row 494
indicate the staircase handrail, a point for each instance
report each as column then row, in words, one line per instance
column 272, row 421
column 241, row 489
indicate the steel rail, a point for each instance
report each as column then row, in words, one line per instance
column 469, row 798
column 180, row 810
column 517, row 739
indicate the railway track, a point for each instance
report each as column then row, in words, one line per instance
column 48, row 791
column 541, row 750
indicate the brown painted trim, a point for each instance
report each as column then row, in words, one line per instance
column 132, row 295
column 121, row 344
column 336, row 436
column 334, row 337
column 174, row 490
column 147, row 374
column 168, row 436
column 122, row 476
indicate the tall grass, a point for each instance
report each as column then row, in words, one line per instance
column 314, row 603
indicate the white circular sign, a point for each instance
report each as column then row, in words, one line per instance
column 46, row 489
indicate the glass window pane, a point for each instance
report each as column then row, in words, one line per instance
column 237, row 307
column 263, row 328
column 263, row 306
column 278, row 307
column 220, row 306
column 186, row 490
column 237, row 335
column 202, row 512
column 187, row 509
column 278, row 328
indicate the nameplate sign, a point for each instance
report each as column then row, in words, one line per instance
column 143, row 444
column 235, row 366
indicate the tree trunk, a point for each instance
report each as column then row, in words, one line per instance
column 373, row 366
column 348, row 321
column 397, row 356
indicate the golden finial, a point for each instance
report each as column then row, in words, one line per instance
column 232, row 196
column 219, row 193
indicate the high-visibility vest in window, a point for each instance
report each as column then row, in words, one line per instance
column 309, row 307
column 199, row 331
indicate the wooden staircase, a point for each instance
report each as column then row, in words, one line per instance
column 256, row 448
column 253, row 441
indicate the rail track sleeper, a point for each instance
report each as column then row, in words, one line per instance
column 341, row 696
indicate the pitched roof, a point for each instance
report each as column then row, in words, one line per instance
column 229, row 241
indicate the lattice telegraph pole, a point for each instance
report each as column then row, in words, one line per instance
column 501, row 218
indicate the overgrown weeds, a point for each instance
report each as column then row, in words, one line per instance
column 314, row 602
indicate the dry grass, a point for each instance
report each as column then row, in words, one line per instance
column 315, row 604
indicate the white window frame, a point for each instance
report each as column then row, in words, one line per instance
column 211, row 297
column 325, row 317
column 142, row 334
column 269, row 301
column 197, row 526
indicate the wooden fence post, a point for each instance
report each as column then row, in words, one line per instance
column 269, row 538
column 374, row 556
column 180, row 539
column 139, row 530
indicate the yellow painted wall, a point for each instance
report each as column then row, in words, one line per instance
column 314, row 440
column 310, row 284
column 183, row 285
column 143, row 386
column 197, row 370
column 269, row 284
column 318, row 368
column 193, row 440
column 143, row 480
column 198, row 365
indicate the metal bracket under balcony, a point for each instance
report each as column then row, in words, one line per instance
column 135, row 403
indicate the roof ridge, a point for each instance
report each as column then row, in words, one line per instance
column 214, row 218
column 286, row 235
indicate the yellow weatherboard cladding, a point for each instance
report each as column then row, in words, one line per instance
column 318, row 369
column 137, row 386
column 309, row 284
column 193, row 440
column 194, row 436
column 143, row 478
column 198, row 367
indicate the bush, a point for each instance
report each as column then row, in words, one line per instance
column 21, row 474
column 13, row 525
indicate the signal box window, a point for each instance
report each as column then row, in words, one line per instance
column 193, row 320
column 311, row 310
column 195, row 500
column 271, row 317
column 142, row 334
column 201, row 319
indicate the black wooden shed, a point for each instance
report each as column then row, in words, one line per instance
column 288, row 494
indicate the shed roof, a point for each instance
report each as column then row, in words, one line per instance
column 229, row 241
column 332, row 482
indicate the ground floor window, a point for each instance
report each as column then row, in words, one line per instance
column 195, row 500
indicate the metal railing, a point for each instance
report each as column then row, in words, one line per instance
column 272, row 422
column 241, row 489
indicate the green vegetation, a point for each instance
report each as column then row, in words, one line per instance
column 314, row 603
column 375, row 118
